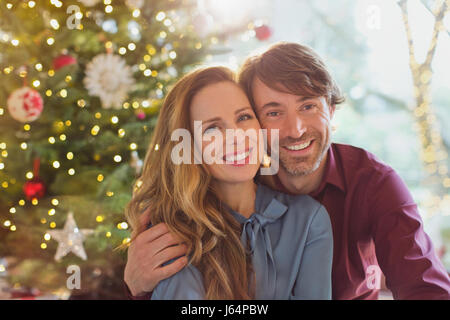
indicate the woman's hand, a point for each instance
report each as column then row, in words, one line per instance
column 147, row 253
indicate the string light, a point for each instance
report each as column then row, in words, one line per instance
column 433, row 153
column 160, row 16
column 54, row 23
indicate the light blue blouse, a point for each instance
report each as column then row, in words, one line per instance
column 291, row 243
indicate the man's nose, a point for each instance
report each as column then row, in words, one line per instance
column 295, row 127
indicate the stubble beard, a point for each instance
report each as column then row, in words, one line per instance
column 302, row 166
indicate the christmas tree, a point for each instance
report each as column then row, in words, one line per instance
column 81, row 86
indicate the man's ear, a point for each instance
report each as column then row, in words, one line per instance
column 332, row 110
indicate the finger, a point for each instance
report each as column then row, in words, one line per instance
column 163, row 242
column 169, row 270
column 152, row 233
column 168, row 254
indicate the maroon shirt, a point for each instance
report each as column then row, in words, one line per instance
column 376, row 222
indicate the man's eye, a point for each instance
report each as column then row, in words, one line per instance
column 272, row 114
column 308, row 107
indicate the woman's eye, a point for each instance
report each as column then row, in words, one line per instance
column 245, row 117
column 210, row 129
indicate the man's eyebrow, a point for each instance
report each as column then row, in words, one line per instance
column 301, row 99
column 277, row 104
column 271, row 104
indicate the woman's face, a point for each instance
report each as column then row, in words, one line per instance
column 229, row 131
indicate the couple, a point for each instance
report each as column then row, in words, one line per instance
column 330, row 220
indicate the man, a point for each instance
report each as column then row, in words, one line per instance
column 376, row 223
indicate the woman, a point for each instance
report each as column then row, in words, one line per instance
column 245, row 241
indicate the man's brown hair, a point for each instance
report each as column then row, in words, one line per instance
column 290, row 68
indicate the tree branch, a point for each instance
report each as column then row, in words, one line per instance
column 439, row 17
column 404, row 7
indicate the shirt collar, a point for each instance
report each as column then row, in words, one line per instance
column 266, row 206
column 332, row 173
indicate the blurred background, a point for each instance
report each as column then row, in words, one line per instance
column 82, row 83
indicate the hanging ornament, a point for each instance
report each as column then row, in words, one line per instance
column 140, row 115
column 35, row 188
column 62, row 61
column 25, row 104
column 89, row 3
column 134, row 4
column 135, row 162
column 263, row 32
column 70, row 239
column 109, row 78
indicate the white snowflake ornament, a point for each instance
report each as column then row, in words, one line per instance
column 109, row 78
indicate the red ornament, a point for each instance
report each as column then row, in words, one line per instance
column 35, row 188
column 63, row 60
column 25, row 104
column 263, row 32
column 140, row 115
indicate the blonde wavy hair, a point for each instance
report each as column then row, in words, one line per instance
column 183, row 197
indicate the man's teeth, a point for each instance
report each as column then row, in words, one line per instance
column 237, row 157
column 299, row 146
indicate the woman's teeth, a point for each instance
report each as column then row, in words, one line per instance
column 299, row 146
column 237, row 157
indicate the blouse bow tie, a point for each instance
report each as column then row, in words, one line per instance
column 256, row 236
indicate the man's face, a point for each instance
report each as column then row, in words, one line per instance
column 304, row 126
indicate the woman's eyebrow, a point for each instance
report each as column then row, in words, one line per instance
column 218, row 118
column 242, row 109
column 213, row 119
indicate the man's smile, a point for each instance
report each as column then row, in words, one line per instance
column 300, row 148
